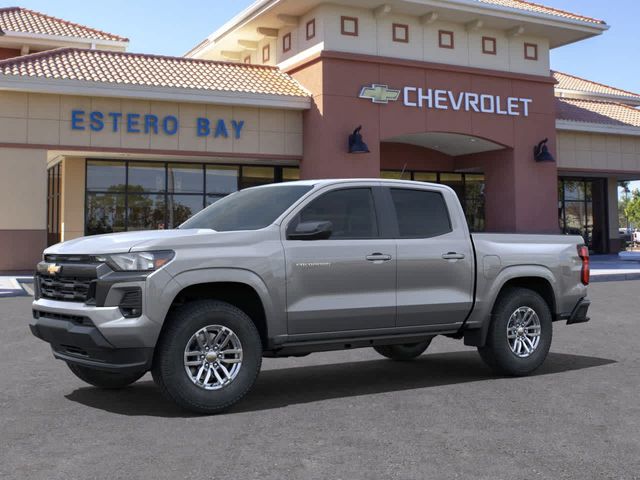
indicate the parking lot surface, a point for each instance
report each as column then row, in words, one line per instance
column 343, row 415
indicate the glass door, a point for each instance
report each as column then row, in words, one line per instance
column 582, row 210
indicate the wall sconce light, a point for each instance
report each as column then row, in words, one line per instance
column 541, row 152
column 356, row 144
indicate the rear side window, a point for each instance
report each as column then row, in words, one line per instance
column 420, row 213
column 351, row 212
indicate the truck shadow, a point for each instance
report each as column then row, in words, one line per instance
column 277, row 388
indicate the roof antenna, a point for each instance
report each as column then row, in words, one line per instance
column 403, row 170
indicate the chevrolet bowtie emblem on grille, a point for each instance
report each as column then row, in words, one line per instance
column 380, row 93
column 52, row 269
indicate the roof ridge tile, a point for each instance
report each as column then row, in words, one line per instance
column 112, row 36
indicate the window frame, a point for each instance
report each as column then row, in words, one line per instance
column 395, row 27
column 449, row 33
column 533, row 57
column 356, row 26
column 310, row 29
column 394, row 213
column 490, row 51
column 286, row 43
column 380, row 207
column 266, row 53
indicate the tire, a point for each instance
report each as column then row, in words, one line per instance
column 405, row 352
column 102, row 379
column 184, row 333
column 515, row 304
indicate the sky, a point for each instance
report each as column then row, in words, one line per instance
column 173, row 27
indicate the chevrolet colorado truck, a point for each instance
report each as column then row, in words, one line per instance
column 301, row 267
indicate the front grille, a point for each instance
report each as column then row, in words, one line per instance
column 66, row 289
column 76, row 319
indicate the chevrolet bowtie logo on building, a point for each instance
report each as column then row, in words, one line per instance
column 380, row 93
column 53, row 269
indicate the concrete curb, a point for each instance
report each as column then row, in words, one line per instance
column 614, row 277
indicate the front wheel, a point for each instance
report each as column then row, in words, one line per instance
column 520, row 333
column 208, row 357
column 103, row 379
column 404, row 352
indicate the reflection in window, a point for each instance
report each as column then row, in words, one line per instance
column 150, row 177
column 146, row 212
column 106, row 176
column 254, row 176
column 105, row 213
column 182, row 207
column 160, row 195
column 222, row 180
column 183, row 178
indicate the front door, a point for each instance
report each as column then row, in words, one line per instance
column 346, row 282
column 435, row 260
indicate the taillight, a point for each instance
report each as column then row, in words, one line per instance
column 583, row 253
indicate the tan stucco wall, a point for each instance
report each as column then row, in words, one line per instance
column 595, row 151
column 23, row 191
column 72, row 211
column 46, row 120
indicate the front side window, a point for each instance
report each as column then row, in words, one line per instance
column 420, row 213
column 250, row 209
column 351, row 213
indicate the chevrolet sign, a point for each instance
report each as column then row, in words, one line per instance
column 441, row 99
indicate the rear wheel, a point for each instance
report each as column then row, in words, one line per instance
column 103, row 379
column 404, row 352
column 208, row 357
column 520, row 333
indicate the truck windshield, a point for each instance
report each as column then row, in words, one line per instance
column 249, row 209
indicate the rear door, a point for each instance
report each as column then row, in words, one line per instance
column 346, row 282
column 435, row 259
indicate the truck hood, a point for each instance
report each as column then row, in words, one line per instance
column 123, row 242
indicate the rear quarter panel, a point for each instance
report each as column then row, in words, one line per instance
column 503, row 257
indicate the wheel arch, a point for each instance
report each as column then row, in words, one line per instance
column 240, row 288
column 536, row 278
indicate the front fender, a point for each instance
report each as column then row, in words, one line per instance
column 273, row 306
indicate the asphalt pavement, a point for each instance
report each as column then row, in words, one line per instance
column 342, row 415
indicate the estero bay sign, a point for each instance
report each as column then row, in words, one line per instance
column 97, row 121
column 442, row 99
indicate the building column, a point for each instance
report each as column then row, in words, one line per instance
column 616, row 243
column 23, row 208
column 72, row 198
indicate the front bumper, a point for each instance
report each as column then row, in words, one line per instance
column 96, row 337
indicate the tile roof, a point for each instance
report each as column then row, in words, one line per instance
column 23, row 20
column 571, row 82
column 537, row 8
column 123, row 68
column 591, row 111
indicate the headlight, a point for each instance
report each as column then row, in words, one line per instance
column 138, row 261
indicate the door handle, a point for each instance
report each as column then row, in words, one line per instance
column 378, row 257
column 453, row 256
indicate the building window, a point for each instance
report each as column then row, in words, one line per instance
column 469, row 188
column 266, row 53
column 286, row 43
column 489, row 45
column 445, row 39
column 247, row 59
column 349, row 26
column 54, row 180
column 311, row 29
column 400, row 33
column 531, row 51
column 132, row 195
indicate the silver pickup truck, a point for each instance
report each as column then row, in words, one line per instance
column 301, row 267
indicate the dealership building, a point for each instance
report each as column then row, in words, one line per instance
column 94, row 139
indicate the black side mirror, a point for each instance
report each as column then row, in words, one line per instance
column 311, row 231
